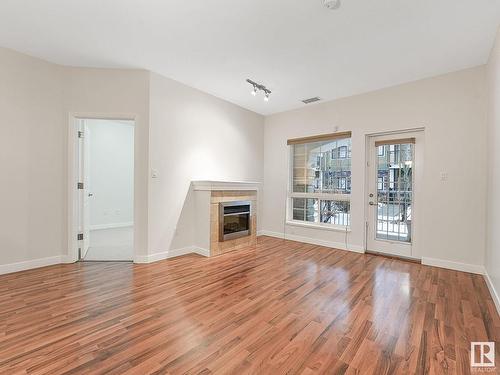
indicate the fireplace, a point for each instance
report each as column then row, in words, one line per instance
column 235, row 220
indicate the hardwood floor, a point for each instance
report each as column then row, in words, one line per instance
column 285, row 307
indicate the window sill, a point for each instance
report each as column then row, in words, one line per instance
column 335, row 228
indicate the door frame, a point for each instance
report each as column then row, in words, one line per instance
column 73, row 211
column 416, row 253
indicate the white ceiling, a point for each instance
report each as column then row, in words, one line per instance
column 297, row 48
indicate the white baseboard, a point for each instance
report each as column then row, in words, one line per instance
column 29, row 264
column 493, row 292
column 111, row 226
column 141, row 259
column 313, row 241
column 170, row 254
column 457, row 266
column 200, row 251
column 269, row 233
column 66, row 259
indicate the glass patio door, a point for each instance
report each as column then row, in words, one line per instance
column 391, row 181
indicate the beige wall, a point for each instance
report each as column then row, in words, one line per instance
column 188, row 135
column 493, row 200
column 37, row 100
column 194, row 136
column 32, row 154
column 452, row 110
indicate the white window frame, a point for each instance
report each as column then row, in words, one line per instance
column 319, row 196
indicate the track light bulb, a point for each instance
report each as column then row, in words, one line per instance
column 266, row 98
column 254, row 91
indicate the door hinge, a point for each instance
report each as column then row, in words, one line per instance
column 80, row 237
column 80, row 134
column 80, row 186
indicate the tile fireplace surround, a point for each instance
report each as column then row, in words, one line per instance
column 208, row 196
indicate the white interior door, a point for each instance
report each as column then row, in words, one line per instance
column 84, row 194
column 392, row 178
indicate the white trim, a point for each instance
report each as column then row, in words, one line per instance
column 270, row 234
column 111, row 226
column 225, row 185
column 322, row 196
column 72, row 173
column 30, row 264
column 457, row 266
column 200, row 251
column 419, row 133
column 72, row 192
column 331, row 227
column 393, row 132
column 170, row 254
column 67, row 259
column 141, row 259
column 313, row 241
column 493, row 292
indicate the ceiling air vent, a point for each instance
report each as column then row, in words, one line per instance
column 311, row 100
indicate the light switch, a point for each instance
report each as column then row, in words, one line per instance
column 154, row 173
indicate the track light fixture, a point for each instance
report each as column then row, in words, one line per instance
column 258, row 87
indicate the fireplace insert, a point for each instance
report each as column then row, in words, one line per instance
column 234, row 220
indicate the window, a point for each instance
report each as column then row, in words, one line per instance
column 321, row 180
column 342, row 183
column 305, row 209
column 342, row 152
column 380, row 183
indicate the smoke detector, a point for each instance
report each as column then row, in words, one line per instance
column 332, row 4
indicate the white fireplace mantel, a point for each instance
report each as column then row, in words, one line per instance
column 224, row 185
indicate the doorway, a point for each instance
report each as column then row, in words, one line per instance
column 394, row 175
column 106, row 189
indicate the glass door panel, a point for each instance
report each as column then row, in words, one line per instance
column 394, row 191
